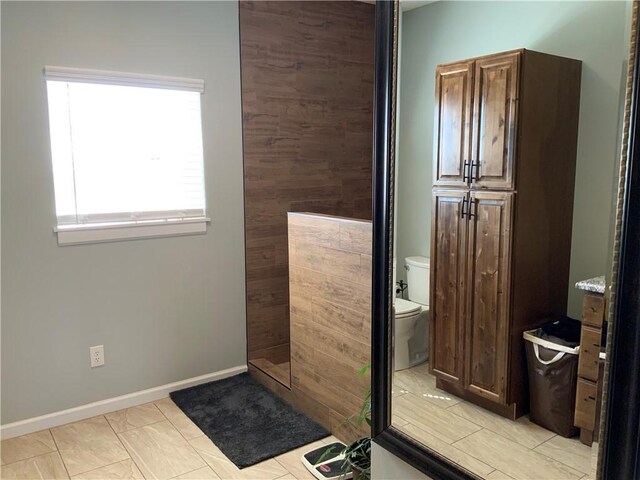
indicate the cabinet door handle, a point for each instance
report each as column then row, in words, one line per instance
column 475, row 165
column 470, row 212
column 465, row 169
column 464, row 203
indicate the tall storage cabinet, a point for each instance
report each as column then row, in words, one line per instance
column 504, row 170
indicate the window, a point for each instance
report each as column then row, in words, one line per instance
column 127, row 155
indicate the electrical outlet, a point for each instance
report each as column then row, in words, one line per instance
column 97, row 355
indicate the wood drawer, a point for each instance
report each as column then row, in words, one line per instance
column 589, row 353
column 586, row 401
column 593, row 310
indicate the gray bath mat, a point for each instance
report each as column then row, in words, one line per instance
column 246, row 420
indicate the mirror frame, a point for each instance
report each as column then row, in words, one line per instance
column 619, row 455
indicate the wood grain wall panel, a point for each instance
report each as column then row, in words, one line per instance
column 330, row 309
column 307, row 93
column 341, row 372
column 313, row 408
column 345, row 265
column 345, row 430
column 351, row 295
column 307, row 229
column 324, row 390
column 349, row 351
column 349, row 323
column 356, row 237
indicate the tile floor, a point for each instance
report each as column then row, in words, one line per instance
column 488, row 445
column 155, row 440
column 158, row 441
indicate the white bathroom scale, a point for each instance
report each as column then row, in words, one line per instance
column 327, row 462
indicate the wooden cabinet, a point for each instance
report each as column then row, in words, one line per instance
column 501, row 229
column 590, row 367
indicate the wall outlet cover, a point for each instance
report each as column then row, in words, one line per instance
column 97, row 355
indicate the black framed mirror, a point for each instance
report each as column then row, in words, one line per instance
column 618, row 375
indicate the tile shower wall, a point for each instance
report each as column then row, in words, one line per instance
column 307, row 91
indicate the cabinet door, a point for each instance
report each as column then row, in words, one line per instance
column 488, row 299
column 494, row 121
column 448, row 241
column 454, row 88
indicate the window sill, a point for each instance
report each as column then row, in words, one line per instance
column 114, row 232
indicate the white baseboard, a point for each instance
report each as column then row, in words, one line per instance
column 101, row 407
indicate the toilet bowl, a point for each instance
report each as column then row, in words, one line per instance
column 411, row 317
column 410, row 346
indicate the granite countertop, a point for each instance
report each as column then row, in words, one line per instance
column 595, row 285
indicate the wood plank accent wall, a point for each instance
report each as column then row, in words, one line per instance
column 307, row 99
column 330, row 293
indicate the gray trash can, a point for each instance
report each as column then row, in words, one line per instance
column 552, row 364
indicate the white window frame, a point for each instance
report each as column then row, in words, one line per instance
column 140, row 228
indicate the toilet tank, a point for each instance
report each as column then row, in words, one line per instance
column 418, row 279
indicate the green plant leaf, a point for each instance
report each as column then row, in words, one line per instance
column 364, row 370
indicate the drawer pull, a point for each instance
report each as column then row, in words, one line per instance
column 596, row 344
column 591, row 397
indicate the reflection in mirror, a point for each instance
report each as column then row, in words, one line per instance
column 509, row 120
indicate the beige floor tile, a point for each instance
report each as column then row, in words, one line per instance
column 160, row 451
column 454, row 454
column 47, row 466
column 185, row 426
column 27, row 446
column 435, row 420
column 568, row 451
column 398, row 421
column 134, row 417
column 498, row 475
column 204, row 473
column 292, row 477
column 513, row 459
column 418, row 381
column 87, row 445
column 224, row 468
column 125, row 470
column 330, row 439
column 414, row 379
column 522, row 430
column 291, row 461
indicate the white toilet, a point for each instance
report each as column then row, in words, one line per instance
column 412, row 316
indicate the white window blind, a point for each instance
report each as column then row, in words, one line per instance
column 126, row 148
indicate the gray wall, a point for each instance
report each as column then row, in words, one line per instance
column 445, row 31
column 165, row 309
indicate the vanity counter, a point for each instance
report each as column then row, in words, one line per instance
column 594, row 285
